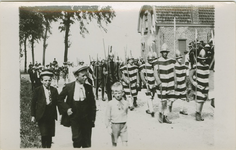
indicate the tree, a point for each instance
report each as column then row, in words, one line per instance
column 23, row 34
column 31, row 29
column 84, row 15
column 49, row 16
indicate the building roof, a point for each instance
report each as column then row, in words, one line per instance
column 185, row 15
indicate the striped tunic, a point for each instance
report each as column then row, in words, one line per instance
column 180, row 72
column 148, row 72
column 131, row 74
column 166, row 75
column 201, row 76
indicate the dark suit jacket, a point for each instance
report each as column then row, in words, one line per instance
column 68, row 93
column 112, row 72
column 38, row 102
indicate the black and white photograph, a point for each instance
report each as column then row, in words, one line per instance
column 126, row 75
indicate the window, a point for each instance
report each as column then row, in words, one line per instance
column 145, row 17
column 182, row 47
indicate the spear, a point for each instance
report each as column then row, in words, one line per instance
column 105, row 58
column 174, row 50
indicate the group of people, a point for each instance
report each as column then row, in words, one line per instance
column 171, row 78
column 58, row 72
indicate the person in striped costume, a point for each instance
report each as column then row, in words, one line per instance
column 199, row 77
column 188, row 67
column 130, row 81
column 147, row 76
column 180, row 90
column 165, row 79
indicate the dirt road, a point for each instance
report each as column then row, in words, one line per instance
column 145, row 132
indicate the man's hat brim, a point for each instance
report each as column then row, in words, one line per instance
column 164, row 51
column 46, row 73
column 79, row 69
column 202, row 58
column 179, row 57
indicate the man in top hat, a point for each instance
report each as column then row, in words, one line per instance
column 165, row 78
column 79, row 110
column 199, row 77
column 43, row 108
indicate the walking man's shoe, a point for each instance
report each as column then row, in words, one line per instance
column 160, row 118
column 183, row 113
column 166, row 120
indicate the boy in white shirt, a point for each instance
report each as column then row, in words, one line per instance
column 116, row 115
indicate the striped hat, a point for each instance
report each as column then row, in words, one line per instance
column 46, row 72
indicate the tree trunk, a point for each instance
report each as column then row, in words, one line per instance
column 25, row 54
column 44, row 43
column 67, row 25
column 32, row 46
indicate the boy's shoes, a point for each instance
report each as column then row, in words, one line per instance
column 160, row 118
column 135, row 104
column 166, row 120
column 199, row 117
column 183, row 112
column 153, row 114
column 131, row 108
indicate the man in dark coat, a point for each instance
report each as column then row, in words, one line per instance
column 111, row 71
column 36, row 76
column 79, row 110
column 43, row 108
column 31, row 75
column 99, row 81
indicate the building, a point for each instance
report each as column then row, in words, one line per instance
column 156, row 26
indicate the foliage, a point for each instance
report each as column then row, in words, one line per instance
column 35, row 22
column 31, row 27
column 29, row 132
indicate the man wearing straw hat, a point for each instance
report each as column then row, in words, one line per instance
column 79, row 110
column 165, row 78
column 43, row 108
column 199, row 77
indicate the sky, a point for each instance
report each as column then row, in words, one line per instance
column 122, row 32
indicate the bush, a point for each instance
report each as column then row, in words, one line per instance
column 29, row 132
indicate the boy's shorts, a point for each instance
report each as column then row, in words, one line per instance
column 119, row 129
